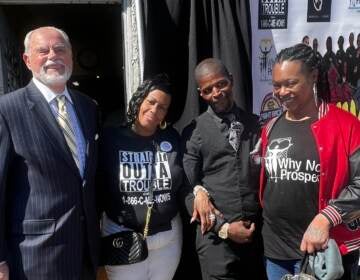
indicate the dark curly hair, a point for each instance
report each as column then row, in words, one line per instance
column 302, row 53
column 158, row 82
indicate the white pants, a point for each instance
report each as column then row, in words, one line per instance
column 164, row 256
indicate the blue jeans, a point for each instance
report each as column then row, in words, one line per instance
column 275, row 269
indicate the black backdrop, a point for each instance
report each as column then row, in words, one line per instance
column 178, row 35
column 181, row 33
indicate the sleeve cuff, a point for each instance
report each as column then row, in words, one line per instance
column 4, row 262
column 332, row 215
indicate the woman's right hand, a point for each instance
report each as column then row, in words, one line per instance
column 204, row 211
column 316, row 237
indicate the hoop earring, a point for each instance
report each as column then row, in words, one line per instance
column 163, row 125
column 315, row 93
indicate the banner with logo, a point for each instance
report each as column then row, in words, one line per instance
column 330, row 27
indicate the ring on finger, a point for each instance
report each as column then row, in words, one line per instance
column 212, row 217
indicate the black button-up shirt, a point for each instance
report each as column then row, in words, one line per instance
column 230, row 177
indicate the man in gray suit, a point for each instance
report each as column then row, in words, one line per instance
column 48, row 220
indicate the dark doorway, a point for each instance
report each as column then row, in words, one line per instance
column 95, row 32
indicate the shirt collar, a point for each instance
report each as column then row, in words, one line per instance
column 48, row 94
column 220, row 117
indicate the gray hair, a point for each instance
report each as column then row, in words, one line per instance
column 30, row 33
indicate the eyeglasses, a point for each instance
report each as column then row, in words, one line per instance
column 220, row 85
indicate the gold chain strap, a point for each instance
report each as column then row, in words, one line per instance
column 150, row 205
column 147, row 222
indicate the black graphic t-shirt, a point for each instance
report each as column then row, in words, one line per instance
column 126, row 173
column 291, row 192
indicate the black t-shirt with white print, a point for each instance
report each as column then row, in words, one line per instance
column 291, row 193
column 126, row 174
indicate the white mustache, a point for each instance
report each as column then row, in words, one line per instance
column 53, row 62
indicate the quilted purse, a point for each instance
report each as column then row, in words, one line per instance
column 126, row 247
column 129, row 247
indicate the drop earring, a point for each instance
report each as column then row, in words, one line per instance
column 315, row 93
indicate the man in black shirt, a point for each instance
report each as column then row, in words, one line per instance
column 351, row 61
column 316, row 49
column 329, row 60
column 217, row 159
column 341, row 59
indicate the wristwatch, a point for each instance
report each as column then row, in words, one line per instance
column 223, row 232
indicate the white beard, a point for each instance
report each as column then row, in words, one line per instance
column 54, row 79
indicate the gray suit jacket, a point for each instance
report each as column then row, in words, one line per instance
column 46, row 208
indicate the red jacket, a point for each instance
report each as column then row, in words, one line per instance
column 337, row 136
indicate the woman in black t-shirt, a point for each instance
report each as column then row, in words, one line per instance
column 135, row 161
column 310, row 186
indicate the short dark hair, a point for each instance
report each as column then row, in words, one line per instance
column 302, row 53
column 210, row 63
column 304, row 38
column 158, row 82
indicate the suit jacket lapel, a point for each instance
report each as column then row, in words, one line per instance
column 49, row 125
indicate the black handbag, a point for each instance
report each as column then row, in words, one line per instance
column 126, row 247
column 129, row 247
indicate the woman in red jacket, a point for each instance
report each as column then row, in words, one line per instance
column 310, row 179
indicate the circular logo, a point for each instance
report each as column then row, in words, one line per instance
column 270, row 108
column 118, row 242
column 165, row 146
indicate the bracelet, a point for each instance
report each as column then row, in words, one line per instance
column 197, row 188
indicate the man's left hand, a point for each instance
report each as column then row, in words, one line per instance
column 316, row 236
column 241, row 231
